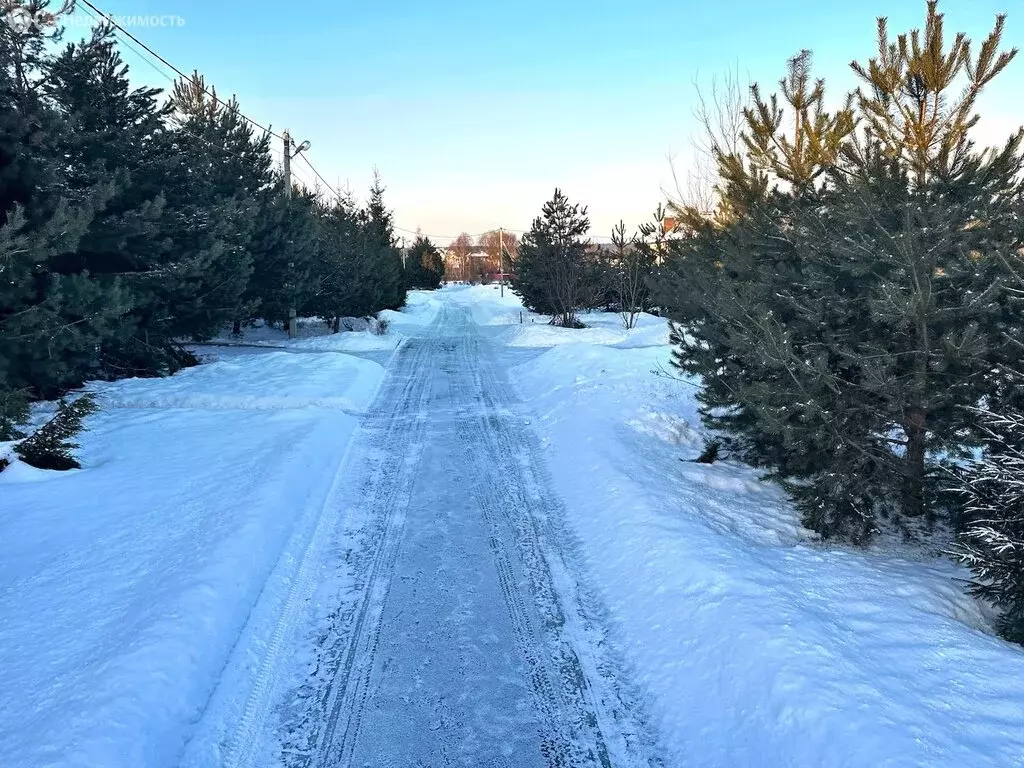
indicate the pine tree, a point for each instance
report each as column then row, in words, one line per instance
column 118, row 135
column 852, row 301
column 632, row 266
column 214, row 191
column 554, row 273
column 54, row 315
column 284, row 248
column 334, row 272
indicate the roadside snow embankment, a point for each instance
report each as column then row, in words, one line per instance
column 273, row 380
column 127, row 583
column 357, row 335
column 757, row 646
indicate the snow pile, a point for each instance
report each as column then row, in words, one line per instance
column 421, row 308
column 601, row 328
column 127, row 583
column 486, row 304
column 517, row 327
column 757, row 646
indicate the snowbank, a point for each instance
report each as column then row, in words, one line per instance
column 757, row 646
column 314, row 334
column 517, row 327
column 254, row 381
column 128, row 582
column 421, row 307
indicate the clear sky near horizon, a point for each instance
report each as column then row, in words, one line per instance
column 475, row 111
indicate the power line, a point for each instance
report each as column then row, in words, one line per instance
column 128, row 39
column 182, row 128
column 322, row 179
column 110, row 20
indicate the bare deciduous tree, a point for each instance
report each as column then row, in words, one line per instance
column 457, row 267
column 719, row 112
column 489, row 243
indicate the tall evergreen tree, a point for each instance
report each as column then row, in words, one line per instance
column 387, row 281
column 334, row 273
column 117, row 135
column 53, row 314
column 285, row 247
column 214, row 192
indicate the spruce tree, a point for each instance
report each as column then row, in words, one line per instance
column 424, row 268
column 387, row 280
column 992, row 543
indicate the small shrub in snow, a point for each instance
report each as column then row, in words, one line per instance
column 52, row 445
column 710, row 453
column 381, row 326
column 992, row 544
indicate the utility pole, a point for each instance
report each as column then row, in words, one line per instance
column 287, row 168
column 287, row 165
column 403, row 253
column 501, row 259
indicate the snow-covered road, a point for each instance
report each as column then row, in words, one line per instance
column 450, row 627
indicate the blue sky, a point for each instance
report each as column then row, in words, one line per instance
column 474, row 111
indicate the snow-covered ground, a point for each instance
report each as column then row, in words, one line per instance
column 140, row 595
column 756, row 645
column 125, row 585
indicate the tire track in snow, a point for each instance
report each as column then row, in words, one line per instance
column 243, row 741
column 392, row 496
column 582, row 713
column 595, row 715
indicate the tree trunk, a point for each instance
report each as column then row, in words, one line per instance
column 236, row 328
column 336, row 325
column 914, row 464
